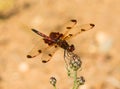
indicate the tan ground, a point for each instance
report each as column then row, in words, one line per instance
column 98, row 48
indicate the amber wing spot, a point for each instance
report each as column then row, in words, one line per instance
column 28, row 56
column 43, row 61
column 69, row 27
column 40, row 51
column 70, row 34
column 92, row 25
column 83, row 30
column 73, row 20
column 50, row 55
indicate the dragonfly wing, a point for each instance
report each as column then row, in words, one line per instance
column 48, row 53
column 37, row 49
column 65, row 27
column 44, row 49
column 78, row 29
column 69, row 25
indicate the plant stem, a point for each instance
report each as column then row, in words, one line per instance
column 75, row 80
column 55, row 87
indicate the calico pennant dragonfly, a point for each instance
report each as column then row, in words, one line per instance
column 49, row 44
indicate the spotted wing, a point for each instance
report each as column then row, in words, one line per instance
column 68, row 26
column 48, row 53
column 43, row 49
column 37, row 49
column 72, row 32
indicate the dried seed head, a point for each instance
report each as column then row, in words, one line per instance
column 53, row 81
column 80, row 80
column 75, row 62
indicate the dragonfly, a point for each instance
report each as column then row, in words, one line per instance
column 50, row 43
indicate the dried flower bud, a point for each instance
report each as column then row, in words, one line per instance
column 75, row 62
column 80, row 80
column 53, row 81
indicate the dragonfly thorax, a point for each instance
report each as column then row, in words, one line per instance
column 63, row 44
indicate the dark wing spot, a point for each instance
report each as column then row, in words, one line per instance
column 92, row 25
column 73, row 20
column 40, row 51
column 70, row 35
column 29, row 56
column 68, row 27
column 43, row 61
column 50, row 55
column 83, row 30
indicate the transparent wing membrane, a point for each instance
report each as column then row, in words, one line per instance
column 68, row 26
column 48, row 53
column 37, row 49
column 78, row 29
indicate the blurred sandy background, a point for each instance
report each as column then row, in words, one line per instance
column 98, row 48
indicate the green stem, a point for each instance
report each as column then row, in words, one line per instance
column 55, row 87
column 75, row 80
